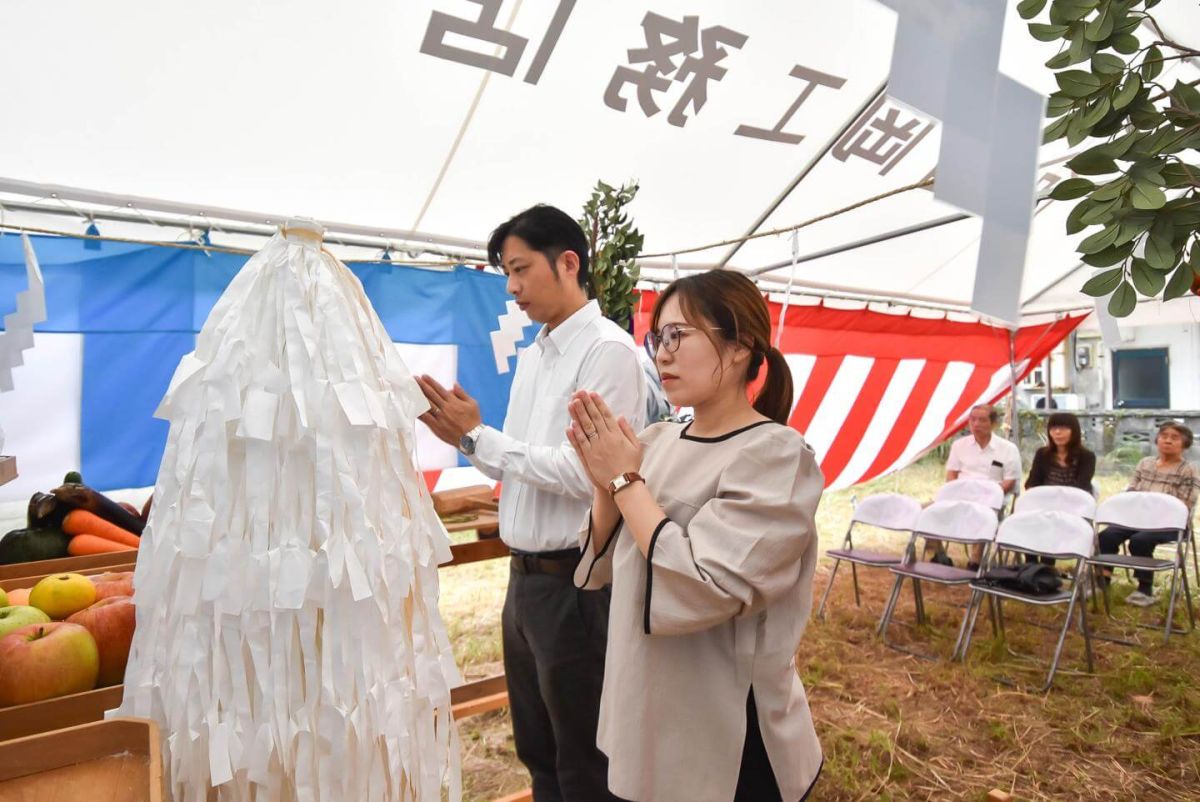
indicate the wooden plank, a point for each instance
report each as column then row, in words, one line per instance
column 8, row 469
column 65, row 565
column 483, row 522
column 479, row 688
column 29, row 581
column 36, row 766
column 484, row 704
column 21, row 721
column 477, row 551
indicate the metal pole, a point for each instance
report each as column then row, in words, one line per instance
column 1049, row 382
column 1014, row 427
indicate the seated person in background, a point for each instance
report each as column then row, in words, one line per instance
column 1064, row 460
column 983, row 455
column 1166, row 473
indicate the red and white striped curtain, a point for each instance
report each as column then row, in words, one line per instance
column 874, row 390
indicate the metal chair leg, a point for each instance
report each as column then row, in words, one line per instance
column 857, row 597
column 968, row 617
column 829, row 587
column 890, row 607
column 1062, row 637
column 1087, row 637
column 919, row 600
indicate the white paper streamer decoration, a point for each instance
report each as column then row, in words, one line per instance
column 17, row 336
column 288, row 639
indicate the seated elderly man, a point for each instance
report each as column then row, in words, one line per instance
column 982, row 455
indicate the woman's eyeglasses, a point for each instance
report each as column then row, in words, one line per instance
column 668, row 337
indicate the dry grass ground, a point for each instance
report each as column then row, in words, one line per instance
column 896, row 727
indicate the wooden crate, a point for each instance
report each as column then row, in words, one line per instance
column 21, row 721
column 29, row 581
column 118, row 760
column 87, row 564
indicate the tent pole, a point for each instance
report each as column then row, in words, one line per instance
column 199, row 212
column 808, row 168
column 1014, row 425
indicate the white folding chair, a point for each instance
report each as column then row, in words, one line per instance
column 1041, row 533
column 1150, row 512
column 890, row 511
column 965, row 522
column 1070, row 500
column 981, row 491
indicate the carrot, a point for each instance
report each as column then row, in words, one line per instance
column 90, row 544
column 82, row 522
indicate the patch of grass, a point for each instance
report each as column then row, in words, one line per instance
column 894, row 727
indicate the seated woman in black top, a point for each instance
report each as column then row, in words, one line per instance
column 1063, row 460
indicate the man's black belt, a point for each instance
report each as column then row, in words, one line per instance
column 555, row 563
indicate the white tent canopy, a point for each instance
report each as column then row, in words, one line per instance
column 335, row 112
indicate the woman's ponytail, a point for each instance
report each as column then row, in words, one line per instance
column 775, row 398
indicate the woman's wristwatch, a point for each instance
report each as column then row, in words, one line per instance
column 623, row 481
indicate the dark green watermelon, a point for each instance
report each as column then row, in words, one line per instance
column 30, row 545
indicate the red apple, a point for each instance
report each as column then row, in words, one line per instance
column 113, row 583
column 111, row 622
column 42, row 661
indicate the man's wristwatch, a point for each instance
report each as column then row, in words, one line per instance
column 467, row 443
column 623, row 481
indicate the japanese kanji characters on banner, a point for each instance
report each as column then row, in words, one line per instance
column 673, row 68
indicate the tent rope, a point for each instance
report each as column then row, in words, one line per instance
column 786, row 229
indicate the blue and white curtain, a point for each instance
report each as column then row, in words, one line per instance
column 120, row 316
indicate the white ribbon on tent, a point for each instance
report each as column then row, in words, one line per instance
column 17, row 336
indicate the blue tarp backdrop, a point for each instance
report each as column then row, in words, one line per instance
column 139, row 307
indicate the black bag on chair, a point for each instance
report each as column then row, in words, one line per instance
column 1033, row 578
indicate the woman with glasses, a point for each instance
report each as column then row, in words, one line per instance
column 705, row 531
column 1064, row 460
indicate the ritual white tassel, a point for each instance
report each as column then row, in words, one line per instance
column 288, row 639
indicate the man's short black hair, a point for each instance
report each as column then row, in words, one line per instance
column 547, row 230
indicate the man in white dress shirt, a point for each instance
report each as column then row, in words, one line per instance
column 984, row 455
column 554, row 635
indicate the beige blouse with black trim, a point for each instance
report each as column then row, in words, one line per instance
column 718, row 608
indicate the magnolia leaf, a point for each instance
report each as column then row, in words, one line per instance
column 1047, row 33
column 1103, row 282
column 1101, row 212
column 1180, row 283
column 1100, row 240
column 1028, row 9
column 1101, row 27
column 1181, row 174
column 1095, row 111
column 1107, row 64
column 1075, row 222
column 1152, row 63
column 1160, row 246
column 1071, row 188
column 1113, row 255
column 1147, row 281
column 1145, row 195
column 1123, row 300
column 1077, row 83
column 1126, row 43
column 1128, row 91
column 1057, row 62
column 1056, row 129
column 1112, row 190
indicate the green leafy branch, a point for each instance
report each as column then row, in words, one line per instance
column 614, row 245
column 1136, row 184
